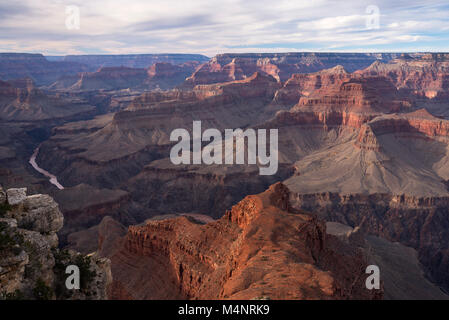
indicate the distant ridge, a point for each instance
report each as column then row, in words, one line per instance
column 130, row 60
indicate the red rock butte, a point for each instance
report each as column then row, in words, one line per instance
column 261, row 248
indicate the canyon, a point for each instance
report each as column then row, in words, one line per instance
column 363, row 148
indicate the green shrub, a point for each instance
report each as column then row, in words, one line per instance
column 16, row 295
column 10, row 241
column 41, row 291
column 3, row 226
column 86, row 275
column 4, row 207
column 64, row 259
column 16, row 250
column 6, row 240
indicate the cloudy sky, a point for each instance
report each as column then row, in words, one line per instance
column 210, row 26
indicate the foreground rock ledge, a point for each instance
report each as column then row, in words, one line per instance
column 31, row 265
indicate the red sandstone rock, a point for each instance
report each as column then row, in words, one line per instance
column 426, row 76
column 260, row 248
column 281, row 66
column 363, row 95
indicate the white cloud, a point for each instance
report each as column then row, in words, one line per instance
column 200, row 26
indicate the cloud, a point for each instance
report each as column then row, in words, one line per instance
column 209, row 27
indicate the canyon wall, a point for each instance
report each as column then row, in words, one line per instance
column 419, row 222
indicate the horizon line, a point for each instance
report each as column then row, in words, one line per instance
column 226, row 53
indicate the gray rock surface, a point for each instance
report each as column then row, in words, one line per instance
column 43, row 214
column 16, row 195
column 29, row 251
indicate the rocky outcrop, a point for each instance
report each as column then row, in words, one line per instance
column 299, row 85
column 318, row 119
column 418, row 125
column 31, row 265
column 261, row 248
column 367, row 139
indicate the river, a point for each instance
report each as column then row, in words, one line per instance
column 53, row 179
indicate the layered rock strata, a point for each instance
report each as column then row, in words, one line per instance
column 261, row 248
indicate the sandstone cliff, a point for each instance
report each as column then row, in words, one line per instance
column 261, row 248
column 424, row 75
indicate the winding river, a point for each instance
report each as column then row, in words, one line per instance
column 53, row 179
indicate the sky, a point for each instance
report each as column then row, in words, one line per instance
column 54, row 27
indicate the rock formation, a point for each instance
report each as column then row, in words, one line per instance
column 281, row 66
column 31, row 265
column 365, row 95
column 261, row 248
column 423, row 75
